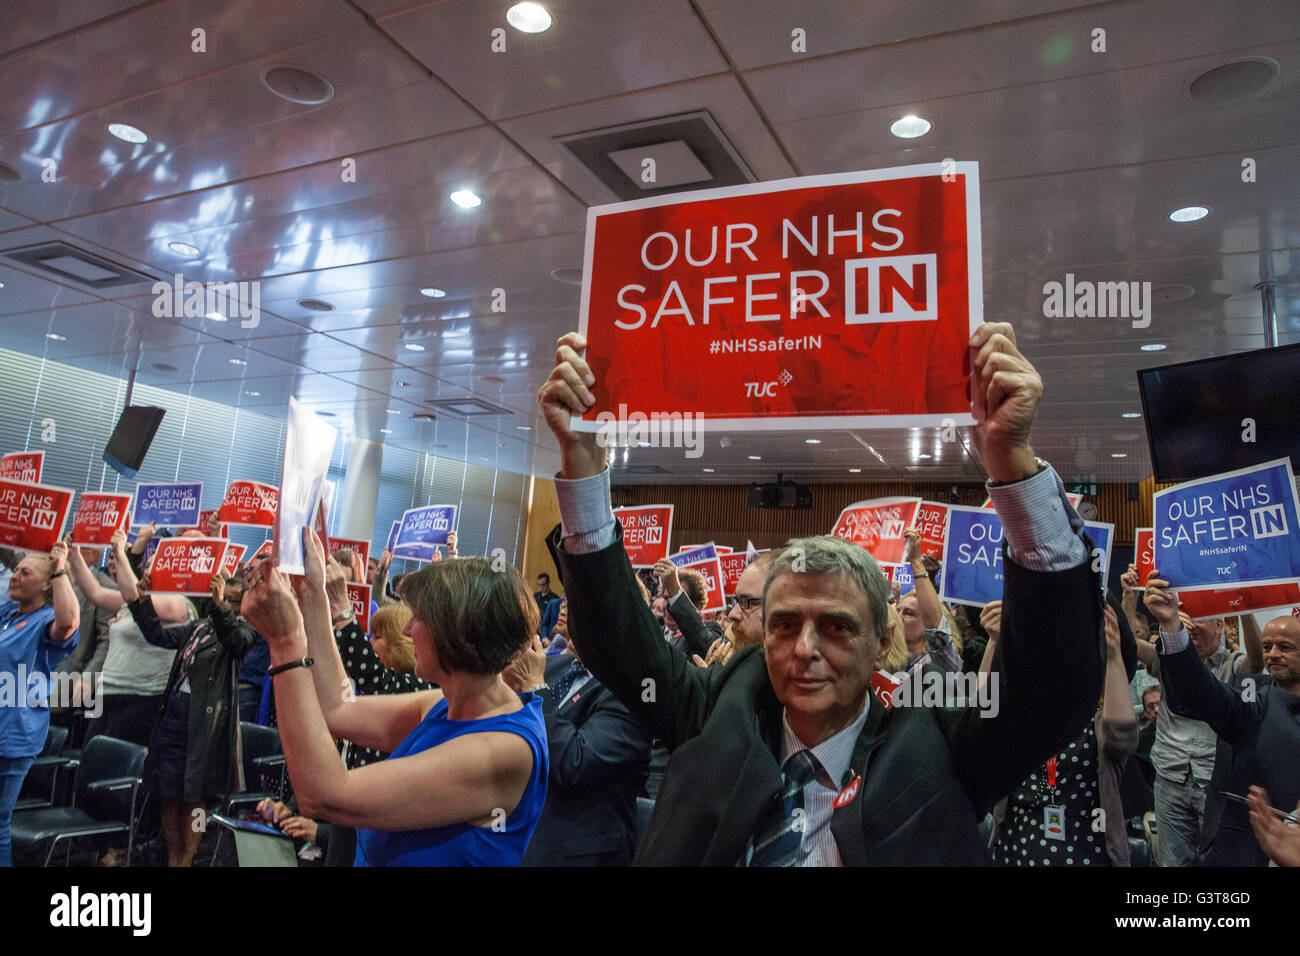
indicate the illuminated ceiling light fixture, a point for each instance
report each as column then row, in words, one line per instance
column 529, row 18
column 910, row 127
column 1154, row 347
column 127, row 133
column 1189, row 214
column 413, row 347
column 183, row 248
column 433, row 293
column 465, row 199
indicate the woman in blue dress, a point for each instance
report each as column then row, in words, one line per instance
column 466, row 778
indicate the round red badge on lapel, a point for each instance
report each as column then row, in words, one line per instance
column 845, row 796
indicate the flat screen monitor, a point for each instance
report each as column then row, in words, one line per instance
column 1220, row 414
column 132, row 437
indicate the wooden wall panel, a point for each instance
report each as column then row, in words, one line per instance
column 543, row 515
column 721, row 513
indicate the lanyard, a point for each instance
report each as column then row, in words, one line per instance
column 1051, row 771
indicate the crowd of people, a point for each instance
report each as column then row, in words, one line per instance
column 477, row 722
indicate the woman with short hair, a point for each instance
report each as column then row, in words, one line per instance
column 38, row 628
column 466, row 778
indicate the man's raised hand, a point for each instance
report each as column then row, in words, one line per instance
column 568, row 392
column 1005, row 389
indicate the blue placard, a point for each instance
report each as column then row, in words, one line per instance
column 694, row 556
column 903, row 578
column 1235, row 528
column 422, row 530
column 392, row 536
column 972, row 557
column 168, row 505
column 1102, row 535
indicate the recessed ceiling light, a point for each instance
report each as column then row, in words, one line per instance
column 812, row 441
column 54, row 336
column 1189, row 214
column 215, row 317
column 529, row 18
column 163, row 367
column 493, row 379
column 755, row 457
column 1154, row 347
column 709, row 470
column 413, row 347
column 1131, row 415
column 236, row 361
column 567, row 276
column 315, row 305
column 253, row 394
column 855, row 471
column 183, row 248
column 402, row 384
column 524, row 428
column 327, row 414
column 923, row 455
column 425, row 417
column 465, row 199
column 394, row 411
column 433, row 293
column 909, row 127
column 385, row 431
column 297, row 85
column 2, row 285
column 127, row 133
column 1118, row 454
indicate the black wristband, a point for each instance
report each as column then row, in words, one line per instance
column 59, row 573
column 281, row 668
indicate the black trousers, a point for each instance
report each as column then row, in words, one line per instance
column 127, row 717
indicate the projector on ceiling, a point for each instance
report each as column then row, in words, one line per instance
column 779, row 494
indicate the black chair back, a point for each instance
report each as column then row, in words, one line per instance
column 55, row 740
column 257, row 741
column 107, row 758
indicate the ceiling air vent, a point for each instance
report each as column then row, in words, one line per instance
column 63, row 262
column 667, row 155
column 465, row 407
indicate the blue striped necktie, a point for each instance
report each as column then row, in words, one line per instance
column 778, row 840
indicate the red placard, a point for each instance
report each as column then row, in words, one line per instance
column 362, row 547
column 186, row 565
column 883, row 686
column 359, row 595
column 647, row 531
column 776, row 304
column 265, row 550
column 24, row 466
column 249, row 503
column 1217, row 602
column 98, row 515
column 234, row 554
column 1144, row 554
column 204, row 521
column 879, row 525
column 711, row 570
column 932, row 522
column 733, row 566
column 32, row 517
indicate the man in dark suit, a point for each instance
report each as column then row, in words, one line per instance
column 599, row 758
column 1261, row 724
column 783, row 756
column 686, row 595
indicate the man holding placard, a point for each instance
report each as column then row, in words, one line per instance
column 779, row 774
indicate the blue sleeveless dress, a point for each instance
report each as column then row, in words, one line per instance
column 462, row 844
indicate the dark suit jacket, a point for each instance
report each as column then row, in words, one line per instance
column 929, row 774
column 1264, row 737
column 696, row 635
column 599, row 757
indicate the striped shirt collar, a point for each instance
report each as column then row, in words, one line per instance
column 835, row 753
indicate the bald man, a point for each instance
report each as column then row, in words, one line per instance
column 1261, row 724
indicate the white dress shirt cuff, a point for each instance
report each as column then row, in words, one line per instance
column 1042, row 529
column 1173, row 643
column 586, row 513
